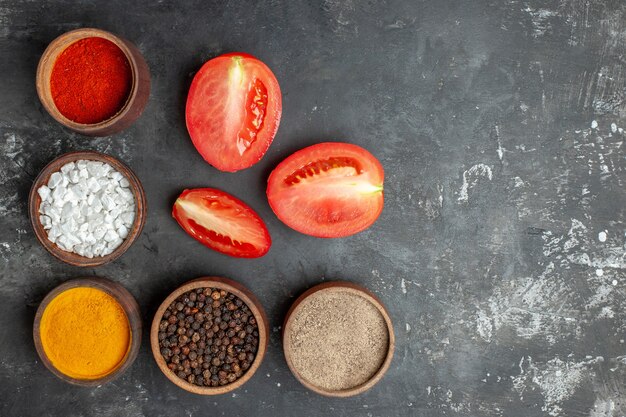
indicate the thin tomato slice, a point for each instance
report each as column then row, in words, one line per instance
column 327, row 190
column 233, row 111
column 222, row 222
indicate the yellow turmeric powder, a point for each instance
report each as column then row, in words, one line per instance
column 85, row 333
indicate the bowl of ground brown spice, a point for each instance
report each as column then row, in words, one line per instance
column 93, row 82
column 338, row 339
column 87, row 331
column 209, row 336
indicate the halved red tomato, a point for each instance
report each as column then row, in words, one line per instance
column 233, row 111
column 222, row 222
column 327, row 190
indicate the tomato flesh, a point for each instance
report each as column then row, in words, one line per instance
column 233, row 111
column 322, row 167
column 222, row 222
column 256, row 104
column 327, row 190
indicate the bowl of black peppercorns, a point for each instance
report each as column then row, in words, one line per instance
column 209, row 336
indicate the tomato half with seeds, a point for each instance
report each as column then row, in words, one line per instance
column 327, row 190
column 222, row 222
column 233, row 111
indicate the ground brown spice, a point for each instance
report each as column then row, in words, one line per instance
column 338, row 339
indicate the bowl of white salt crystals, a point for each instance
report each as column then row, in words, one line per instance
column 87, row 208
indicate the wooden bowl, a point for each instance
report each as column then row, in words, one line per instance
column 337, row 286
column 130, row 307
column 232, row 287
column 34, row 201
column 137, row 99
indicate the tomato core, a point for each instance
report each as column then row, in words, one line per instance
column 219, row 238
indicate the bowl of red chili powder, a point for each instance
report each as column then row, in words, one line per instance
column 93, row 82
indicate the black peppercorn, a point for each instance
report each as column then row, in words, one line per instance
column 208, row 337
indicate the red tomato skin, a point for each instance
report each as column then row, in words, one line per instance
column 182, row 220
column 308, row 225
column 207, row 144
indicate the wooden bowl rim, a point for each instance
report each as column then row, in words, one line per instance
column 241, row 292
column 355, row 289
column 34, row 202
column 46, row 64
column 125, row 300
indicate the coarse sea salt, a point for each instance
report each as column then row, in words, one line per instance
column 87, row 208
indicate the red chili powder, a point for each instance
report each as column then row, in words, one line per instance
column 91, row 80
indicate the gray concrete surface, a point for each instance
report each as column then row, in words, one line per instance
column 499, row 124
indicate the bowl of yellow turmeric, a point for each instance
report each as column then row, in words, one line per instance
column 87, row 331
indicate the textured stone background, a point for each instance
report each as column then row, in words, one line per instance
column 499, row 183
